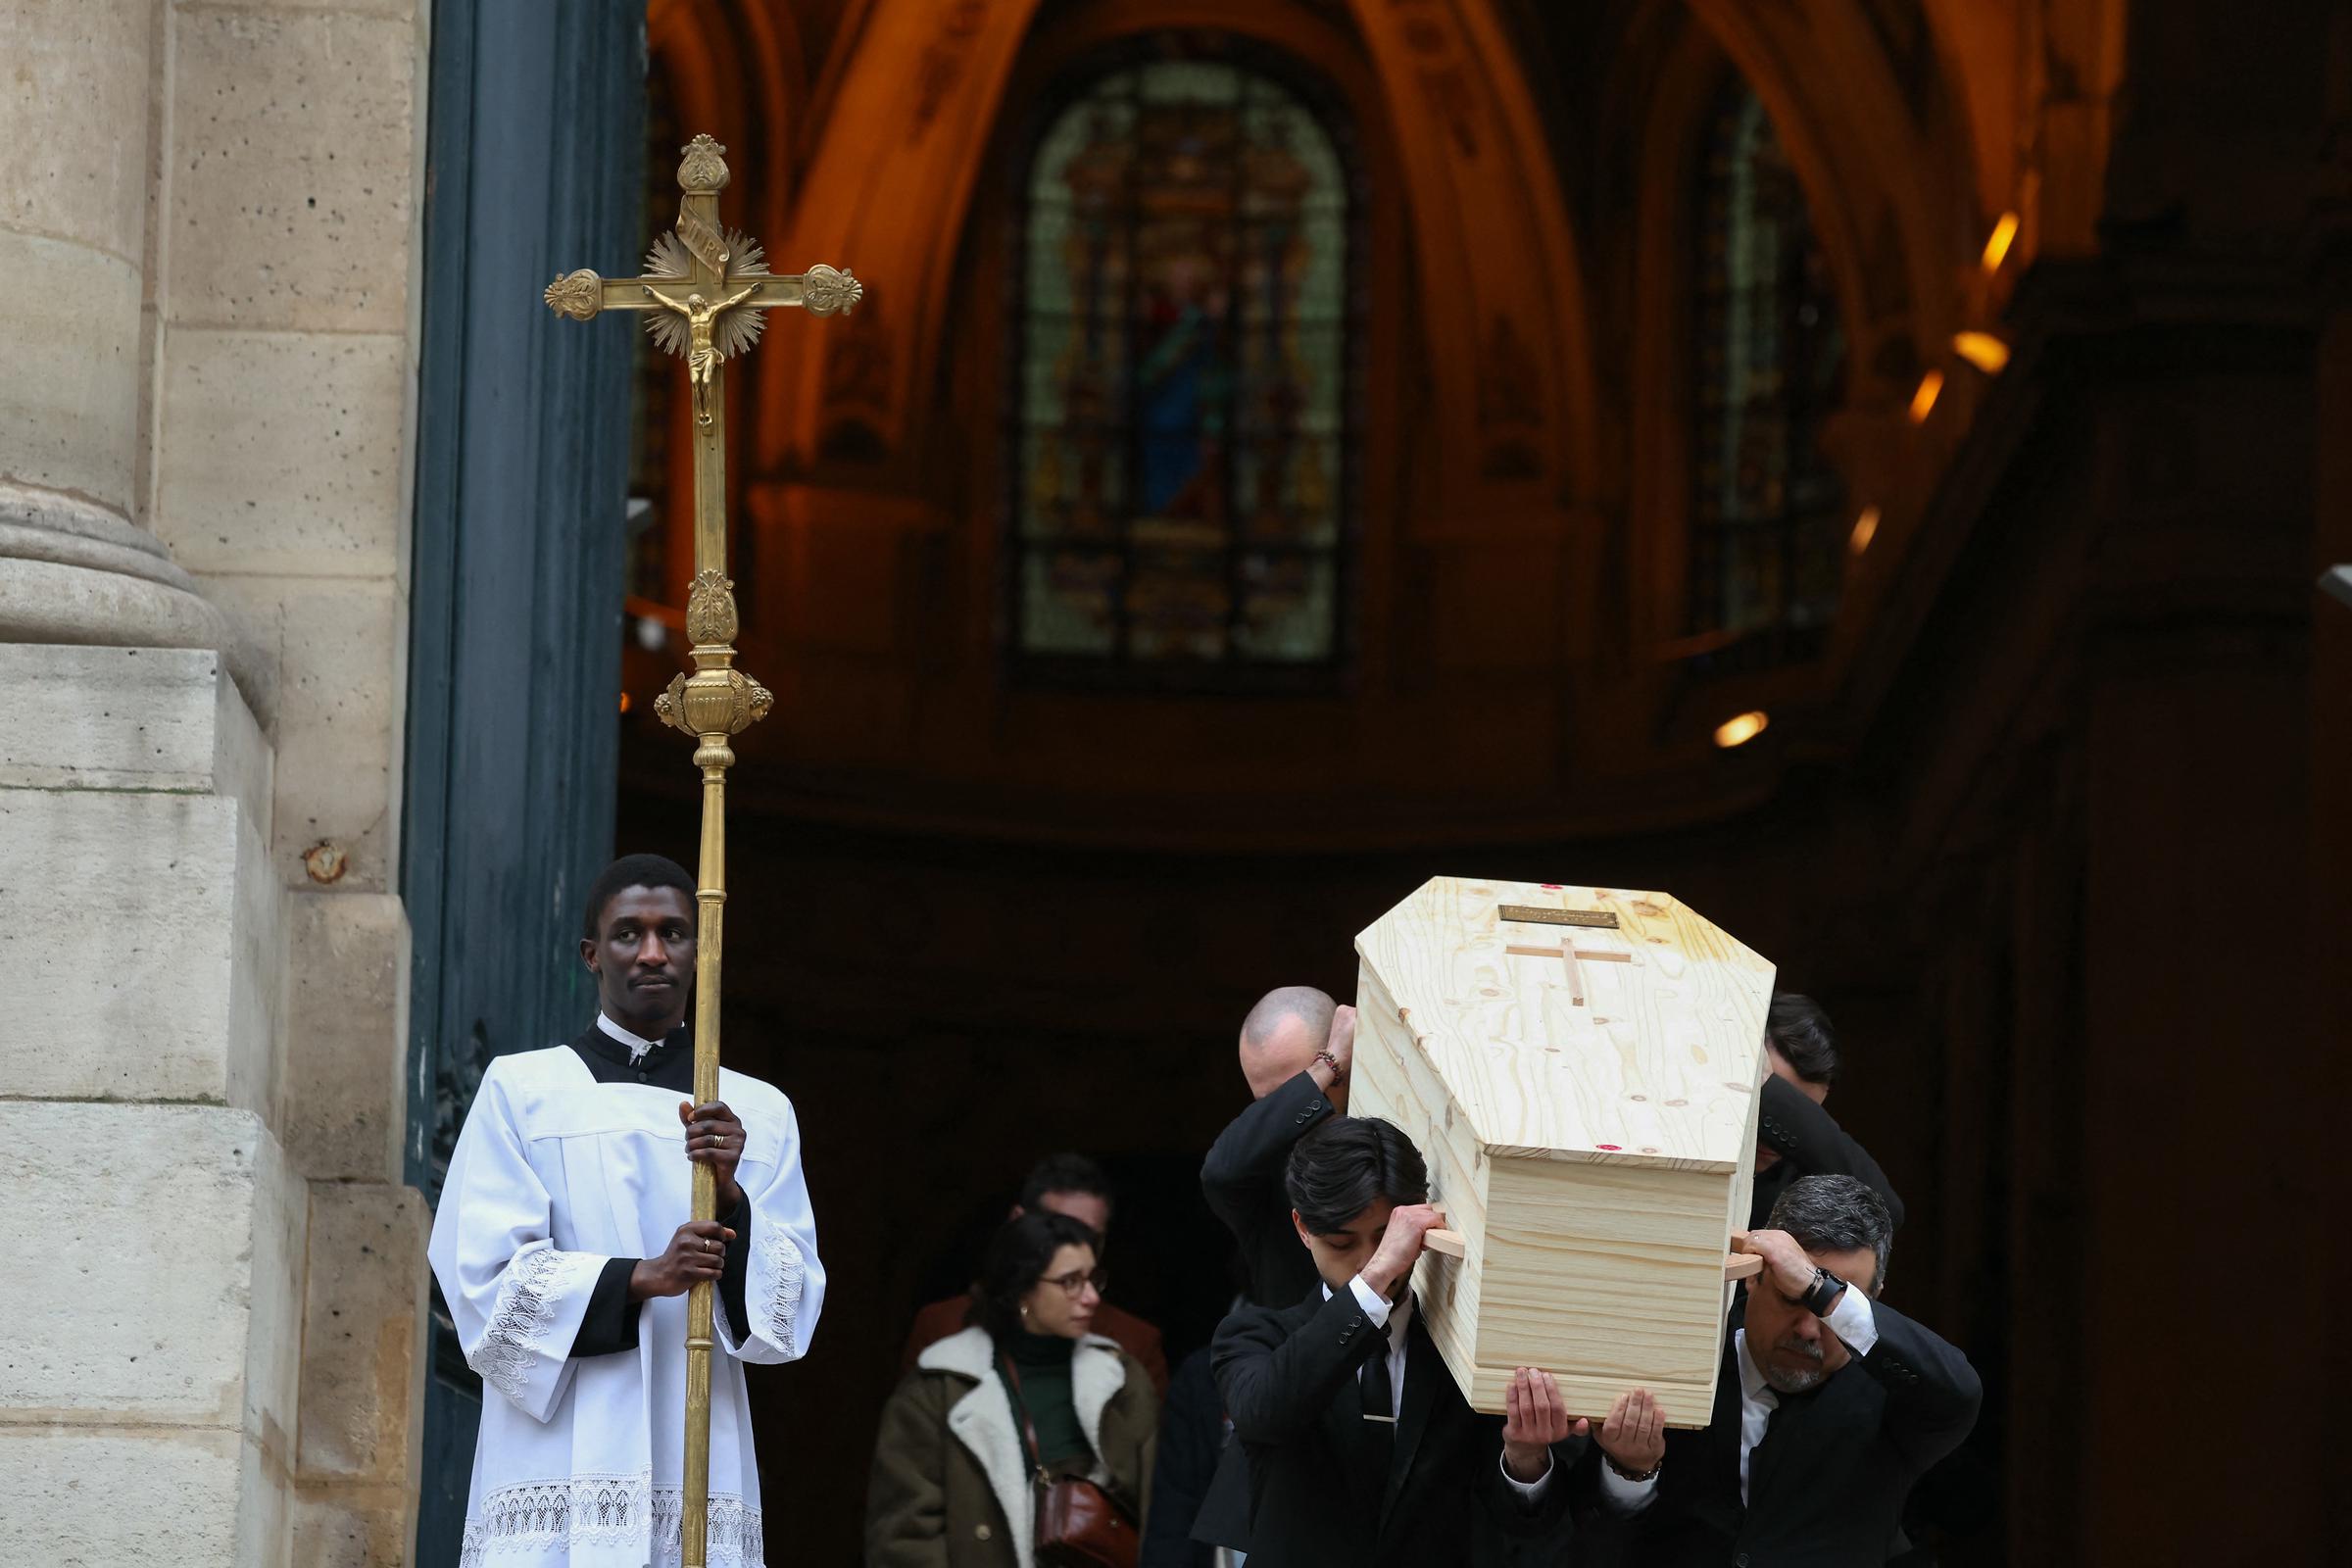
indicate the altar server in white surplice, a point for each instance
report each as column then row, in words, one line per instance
column 561, row 1250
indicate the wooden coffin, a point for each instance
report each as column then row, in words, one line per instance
column 1579, row 1067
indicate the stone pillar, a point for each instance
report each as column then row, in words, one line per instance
column 289, row 159
column 208, row 222
column 73, row 245
column 156, row 1226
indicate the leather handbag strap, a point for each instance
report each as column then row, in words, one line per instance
column 1078, row 1521
column 1020, row 1407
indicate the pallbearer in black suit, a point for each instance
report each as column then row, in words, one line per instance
column 1829, row 1405
column 1796, row 1134
column 1296, row 1048
column 1362, row 1451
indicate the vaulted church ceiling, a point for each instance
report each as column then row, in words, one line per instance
column 1604, row 407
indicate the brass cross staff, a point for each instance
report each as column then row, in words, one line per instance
column 706, row 289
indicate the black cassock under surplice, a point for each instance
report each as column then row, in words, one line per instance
column 611, row 1323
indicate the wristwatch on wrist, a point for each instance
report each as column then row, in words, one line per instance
column 1623, row 1473
column 1823, row 1293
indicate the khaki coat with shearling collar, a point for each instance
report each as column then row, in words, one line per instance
column 951, row 1487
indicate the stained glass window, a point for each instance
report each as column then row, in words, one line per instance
column 1768, row 510
column 1182, row 415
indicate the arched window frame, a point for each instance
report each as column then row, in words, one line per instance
column 1805, row 531
column 1070, row 87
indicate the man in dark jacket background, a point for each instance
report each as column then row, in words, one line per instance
column 1296, row 1048
column 1796, row 1134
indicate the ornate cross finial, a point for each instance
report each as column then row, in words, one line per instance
column 703, row 172
column 702, row 168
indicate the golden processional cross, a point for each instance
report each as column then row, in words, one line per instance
column 707, row 288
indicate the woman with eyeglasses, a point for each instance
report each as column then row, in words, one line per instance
column 1025, row 1390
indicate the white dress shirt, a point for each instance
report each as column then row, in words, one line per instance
column 638, row 1045
column 1394, row 1318
column 1850, row 1320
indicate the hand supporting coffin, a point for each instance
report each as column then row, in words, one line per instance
column 1791, row 1271
column 1401, row 1246
column 1534, row 1418
column 1330, row 1065
column 1632, row 1437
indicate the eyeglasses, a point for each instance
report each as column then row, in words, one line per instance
column 1072, row 1284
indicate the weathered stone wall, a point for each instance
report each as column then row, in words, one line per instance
column 204, row 459
column 148, row 1402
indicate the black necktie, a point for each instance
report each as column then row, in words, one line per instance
column 1774, row 1427
column 1783, row 1404
column 1378, row 1442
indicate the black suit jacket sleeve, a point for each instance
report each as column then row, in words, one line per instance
column 1808, row 1138
column 1564, row 1496
column 1242, row 1174
column 1276, row 1380
column 1933, row 1393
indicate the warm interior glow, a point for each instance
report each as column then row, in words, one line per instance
column 1923, row 401
column 1740, row 730
column 1982, row 350
column 1866, row 528
column 1996, row 244
column 624, row 702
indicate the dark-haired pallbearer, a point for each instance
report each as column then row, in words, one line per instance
column 563, row 1247
column 1796, row 1134
column 1362, row 1451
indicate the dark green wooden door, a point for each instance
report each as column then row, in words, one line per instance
column 536, row 128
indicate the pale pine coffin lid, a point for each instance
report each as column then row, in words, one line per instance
column 1640, row 1046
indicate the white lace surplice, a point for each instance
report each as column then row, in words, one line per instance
column 579, row 1461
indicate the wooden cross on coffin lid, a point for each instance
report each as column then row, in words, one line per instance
column 1567, row 951
column 1738, row 1263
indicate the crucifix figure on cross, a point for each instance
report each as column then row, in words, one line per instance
column 709, row 293
column 706, row 290
column 702, row 354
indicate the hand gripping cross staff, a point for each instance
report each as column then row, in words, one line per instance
column 699, row 280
